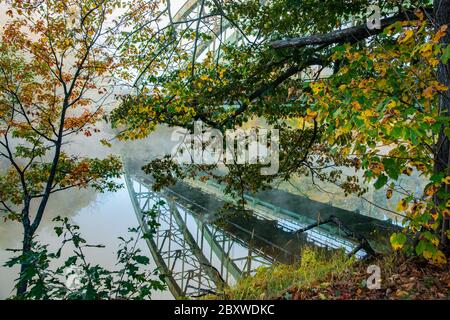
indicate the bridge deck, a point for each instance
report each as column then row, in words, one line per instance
column 287, row 204
column 369, row 227
column 281, row 245
column 283, row 203
column 307, row 210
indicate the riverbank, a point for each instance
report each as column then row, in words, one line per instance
column 334, row 276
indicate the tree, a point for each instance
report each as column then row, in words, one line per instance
column 55, row 75
column 78, row 279
column 442, row 160
column 371, row 99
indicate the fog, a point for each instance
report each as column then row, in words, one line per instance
column 102, row 217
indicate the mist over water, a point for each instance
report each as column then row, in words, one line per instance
column 102, row 217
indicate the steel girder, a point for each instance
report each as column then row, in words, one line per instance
column 195, row 257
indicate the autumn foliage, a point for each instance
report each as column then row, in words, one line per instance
column 54, row 75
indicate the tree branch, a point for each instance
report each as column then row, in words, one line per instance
column 352, row 34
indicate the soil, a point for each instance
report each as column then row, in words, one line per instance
column 401, row 278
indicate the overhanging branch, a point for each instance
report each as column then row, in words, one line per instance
column 274, row 84
column 352, row 34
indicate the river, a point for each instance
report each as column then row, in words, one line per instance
column 103, row 217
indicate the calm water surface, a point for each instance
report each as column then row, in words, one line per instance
column 102, row 219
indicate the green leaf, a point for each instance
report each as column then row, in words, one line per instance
column 413, row 137
column 382, row 179
column 71, row 261
column 398, row 240
column 58, row 231
column 421, row 246
column 141, row 259
column 447, row 132
column 445, row 55
column 391, row 168
column 437, row 177
column 397, row 132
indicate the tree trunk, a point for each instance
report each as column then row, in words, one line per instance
column 30, row 228
column 442, row 151
column 26, row 249
column 28, row 233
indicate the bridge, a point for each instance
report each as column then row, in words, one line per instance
column 200, row 251
column 195, row 256
column 200, row 248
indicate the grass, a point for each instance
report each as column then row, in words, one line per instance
column 325, row 274
column 272, row 282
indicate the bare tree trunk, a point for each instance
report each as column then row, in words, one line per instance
column 26, row 246
column 26, row 249
column 442, row 151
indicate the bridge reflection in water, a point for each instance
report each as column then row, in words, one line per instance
column 199, row 253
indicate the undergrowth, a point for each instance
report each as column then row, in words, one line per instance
column 271, row 282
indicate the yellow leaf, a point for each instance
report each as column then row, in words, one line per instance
column 420, row 166
column 431, row 190
column 345, row 151
column 433, row 62
column 426, row 50
column 356, row 105
column 440, row 87
column 105, row 143
column 408, row 34
column 389, row 193
column 402, row 205
column 317, row 87
column 439, row 258
column 408, row 171
column 310, row 115
column 401, row 293
column 428, row 92
column 391, row 104
column 418, row 207
column 440, row 33
column 435, row 215
column 367, row 114
column 427, row 254
column 376, row 168
column 435, row 241
column 429, row 120
column 340, row 131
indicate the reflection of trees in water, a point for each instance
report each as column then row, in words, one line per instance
column 68, row 203
column 335, row 196
column 64, row 204
column 137, row 153
column 140, row 152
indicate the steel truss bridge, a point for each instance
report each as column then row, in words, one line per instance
column 216, row 27
column 198, row 256
column 195, row 255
